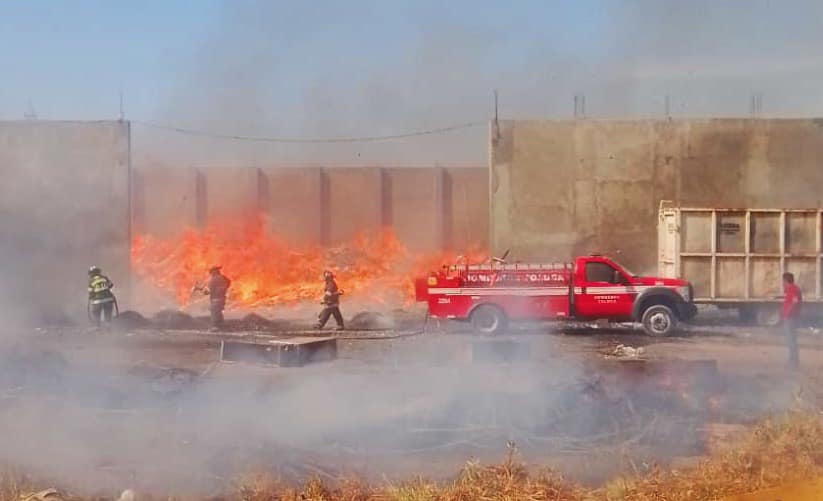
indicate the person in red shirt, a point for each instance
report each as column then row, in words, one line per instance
column 792, row 299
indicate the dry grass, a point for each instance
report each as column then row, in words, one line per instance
column 14, row 484
column 776, row 452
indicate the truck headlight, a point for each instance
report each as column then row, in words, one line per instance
column 685, row 292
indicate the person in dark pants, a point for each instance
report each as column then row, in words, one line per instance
column 101, row 298
column 217, row 288
column 331, row 303
column 792, row 299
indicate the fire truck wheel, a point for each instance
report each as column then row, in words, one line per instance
column 489, row 319
column 659, row 320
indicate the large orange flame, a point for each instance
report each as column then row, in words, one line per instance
column 265, row 271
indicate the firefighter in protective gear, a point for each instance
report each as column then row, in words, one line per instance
column 331, row 303
column 101, row 298
column 217, row 288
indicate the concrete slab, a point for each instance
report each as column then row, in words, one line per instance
column 297, row 204
column 356, row 202
column 289, row 352
column 417, row 204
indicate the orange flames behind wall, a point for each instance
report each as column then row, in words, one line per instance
column 265, row 271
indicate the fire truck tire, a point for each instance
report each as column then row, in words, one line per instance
column 488, row 319
column 659, row 320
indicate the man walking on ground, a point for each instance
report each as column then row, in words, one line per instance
column 792, row 299
column 101, row 298
column 331, row 303
column 216, row 289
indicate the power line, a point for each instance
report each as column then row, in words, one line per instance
column 351, row 139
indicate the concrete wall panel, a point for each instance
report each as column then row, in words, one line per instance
column 232, row 192
column 165, row 201
column 416, row 198
column 564, row 187
column 296, row 203
column 356, row 202
column 64, row 205
column 468, row 208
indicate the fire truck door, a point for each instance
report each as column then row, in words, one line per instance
column 600, row 292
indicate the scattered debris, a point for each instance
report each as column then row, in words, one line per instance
column 255, row 322
column 175, row 319
column 130, row 319
column 623, row 351
column 44, row 495
column 166, row 381
column 127, row 495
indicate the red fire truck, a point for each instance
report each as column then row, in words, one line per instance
column 589, row 288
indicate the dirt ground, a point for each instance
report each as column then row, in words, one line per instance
column 154, row 409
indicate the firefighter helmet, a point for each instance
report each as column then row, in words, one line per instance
column 215, row 268
column 94, row 270
column 328, row 274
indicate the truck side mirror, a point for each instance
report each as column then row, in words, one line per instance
column 617, row 278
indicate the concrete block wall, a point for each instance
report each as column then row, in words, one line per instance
column 429, row 209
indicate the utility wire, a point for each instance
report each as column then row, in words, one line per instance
column 267, row 139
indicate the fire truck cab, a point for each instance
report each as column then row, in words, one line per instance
column 589, row 288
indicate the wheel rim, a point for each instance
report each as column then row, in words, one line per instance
column 659, row 322
column 486, row 321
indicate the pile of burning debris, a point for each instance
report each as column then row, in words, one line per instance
column 266, row 271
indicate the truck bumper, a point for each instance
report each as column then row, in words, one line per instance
column 686, row 311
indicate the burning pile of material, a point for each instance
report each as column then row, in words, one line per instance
column 265, row 271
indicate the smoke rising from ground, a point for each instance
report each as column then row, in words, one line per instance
column 110, row 412
column 92, row 423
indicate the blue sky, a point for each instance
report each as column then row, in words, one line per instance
column 372, row 67
column 72, row 58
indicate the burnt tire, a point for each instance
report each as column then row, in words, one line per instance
column 659, row 320
column 489, row 320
